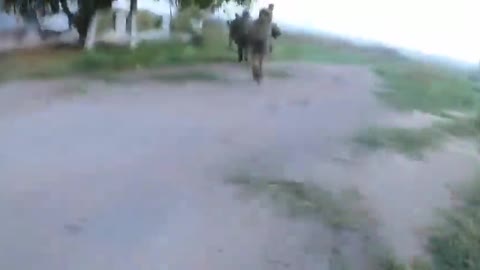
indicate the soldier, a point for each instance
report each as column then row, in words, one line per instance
column 240, row 35
column 258, row 36
column 231, row 24
column 270, row 45
column 270, row 8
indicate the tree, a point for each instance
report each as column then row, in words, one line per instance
column 87, row 8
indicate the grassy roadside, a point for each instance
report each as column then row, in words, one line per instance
column 414, row 142
column 342, row 213
column 427, row 88
column 412, row 85
column 45, row 63
column 455, row 240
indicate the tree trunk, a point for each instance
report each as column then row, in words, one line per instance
column 66, row 10
column 54, row 6
column 133, row 9
column 86, row 10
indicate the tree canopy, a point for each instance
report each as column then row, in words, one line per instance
column 55, row 5
column 86, row 8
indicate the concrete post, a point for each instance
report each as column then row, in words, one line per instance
column 134, row 31
column 120, row 22
column 91, row 33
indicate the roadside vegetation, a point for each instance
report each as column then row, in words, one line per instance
column 416, row 142
column 59, row 62
column 455, row 241
column 343, row 213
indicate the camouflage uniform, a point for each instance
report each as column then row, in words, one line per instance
column 232, row 25
column 240, row 35
column 270, row 45
column 259, row 34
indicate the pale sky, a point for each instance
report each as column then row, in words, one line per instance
column 445, row 27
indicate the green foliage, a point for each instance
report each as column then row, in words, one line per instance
column 425, row 87
column 294, row 48
column 455, row 242
column 147, row 20
column 411, row 142
column 462, row 127
column 203, row 4
column 339, row 211
column 146, row 56
column 415, row 141
column 182, row 22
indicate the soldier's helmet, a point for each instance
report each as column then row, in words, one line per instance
column 264, row 14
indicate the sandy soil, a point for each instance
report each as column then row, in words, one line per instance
column 129, row 175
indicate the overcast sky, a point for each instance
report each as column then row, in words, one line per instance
column 445, row 27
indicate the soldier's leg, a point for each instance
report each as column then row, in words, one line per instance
column 258, row 52
column 256, row 73
column 239, row 52
column 261, row 58
column 240, row 48
column 268, row 45
column 260, row 63
column 245, row 48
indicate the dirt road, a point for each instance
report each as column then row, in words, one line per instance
column 130, row 175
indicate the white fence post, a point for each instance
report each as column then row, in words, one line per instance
column 92, row 32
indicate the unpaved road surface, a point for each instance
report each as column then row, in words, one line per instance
column 130, row 175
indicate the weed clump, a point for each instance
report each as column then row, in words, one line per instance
column 455, row 242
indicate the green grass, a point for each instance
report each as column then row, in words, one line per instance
column 46, row 63
column 409, row 84
column 454, row 242
column 300, row 199
column 462, row 127
column 426, row 87
column 341, row 211
column 145, row 21
column 412, row 142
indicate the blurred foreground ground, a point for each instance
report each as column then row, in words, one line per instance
column 130, row 174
